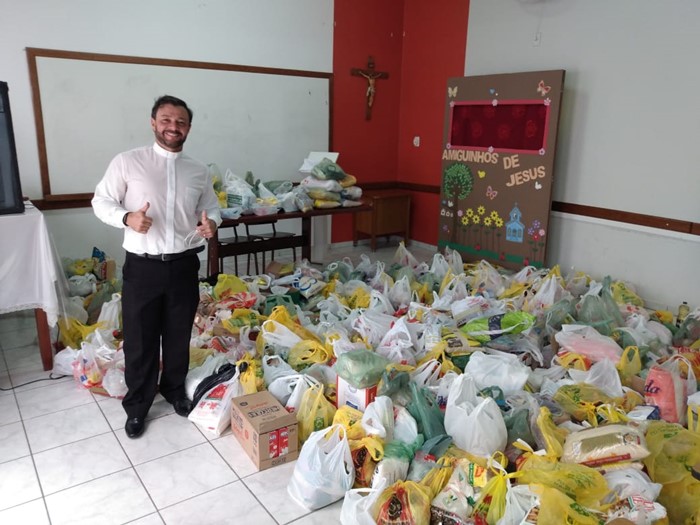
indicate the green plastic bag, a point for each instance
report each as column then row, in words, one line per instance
column 485, row 329
column 425, row 410
column 361, row 368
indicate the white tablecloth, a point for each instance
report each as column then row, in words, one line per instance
column 28, row 266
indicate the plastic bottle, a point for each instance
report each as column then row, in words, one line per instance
column 683, row 311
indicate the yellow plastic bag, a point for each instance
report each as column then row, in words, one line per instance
column 557, row 507
column 403, row 502
column 580, row 401
column 491, row 504
column 72, row 332
column 550, row 434
column 227, row 285
column 241, row 317
column 315, row 412
column 351, row 419
column 440, row 355
column 281, row 315
column 583, row 484
column 359, row 298
column 629, row 365
column 438, row 476
column 572, row 360
column 366, row 452
column 623, row 295
column 305, row 353
column 251, row 375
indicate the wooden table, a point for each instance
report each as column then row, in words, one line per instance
column 390, row 215
column 303, row 240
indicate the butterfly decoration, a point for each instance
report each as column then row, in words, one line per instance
column 492, row 91
column 491, row 193
column 481, row 174
column 542, row 89
column 538, row 186
column 452, row 91
column 450, row 204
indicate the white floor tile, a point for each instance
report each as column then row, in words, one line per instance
column 114, row 412
column 13, row 442
column 9, row 411
column 18, row 483
column 151, row 519
column 232, row 503
column 33, row 512
column 66, row 426
column 325, row 516
column 5, row 383
column 163, row 436
column 233, row 453
column 270, row 489
column 34, row 377
column 185, row 474
column 114, row 499
column 52, row 398
column 64, row 467
column 23, row 357
column 23, row 337
column 17, row 321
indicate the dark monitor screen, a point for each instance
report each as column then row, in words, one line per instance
column 10, row 189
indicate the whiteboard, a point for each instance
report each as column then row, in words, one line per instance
column 256, row 119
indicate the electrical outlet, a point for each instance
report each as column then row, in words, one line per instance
column 416, row 141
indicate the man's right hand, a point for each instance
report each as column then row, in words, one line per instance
column 138, row 220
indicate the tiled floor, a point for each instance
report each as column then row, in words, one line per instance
column 64, row 457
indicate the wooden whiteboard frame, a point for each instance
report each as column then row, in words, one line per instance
column 71, row 200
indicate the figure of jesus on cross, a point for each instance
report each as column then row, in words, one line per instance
column 371, row 75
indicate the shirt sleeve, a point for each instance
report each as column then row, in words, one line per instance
column 109, row 195
column 208, row 202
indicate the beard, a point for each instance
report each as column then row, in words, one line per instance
column 169, row 141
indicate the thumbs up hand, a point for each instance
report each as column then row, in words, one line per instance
column 206, row 226
column 139, row 221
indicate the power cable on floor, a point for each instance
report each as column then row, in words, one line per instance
column 50, row 378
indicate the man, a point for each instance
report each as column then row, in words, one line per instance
column 165, row 202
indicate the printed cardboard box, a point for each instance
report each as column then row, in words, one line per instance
column 357, row 398
column 267, row 432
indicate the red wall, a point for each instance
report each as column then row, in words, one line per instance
column 420, row 44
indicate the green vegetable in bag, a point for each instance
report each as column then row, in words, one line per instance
column 327, row 169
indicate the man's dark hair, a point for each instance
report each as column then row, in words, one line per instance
column 173, row 101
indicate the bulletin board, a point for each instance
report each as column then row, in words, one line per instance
column 498, row 154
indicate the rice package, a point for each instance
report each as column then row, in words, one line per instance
column 594, row 447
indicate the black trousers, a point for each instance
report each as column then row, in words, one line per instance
column 159, row 302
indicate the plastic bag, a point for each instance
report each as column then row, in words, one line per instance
column 403, row 502
column 315, row 412
column 378, row 419
column 111, row 313
column 587, row 341
column 356, row 509
column 324, row 471
column 327, row 169
column 487, row 328
column 361, row 368
column 213, row 411
column 476, row 424
column 366, row 452
column 425, row 410
column 499, row 369
column 306, row 353
column 351, row 419
column 666, row 388
column 594, row 447
column 394, row 464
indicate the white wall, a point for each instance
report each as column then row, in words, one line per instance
column 629, row 130
column 266, row 33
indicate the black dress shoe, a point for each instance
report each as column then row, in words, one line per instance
column 182, row 406
column 134, row 427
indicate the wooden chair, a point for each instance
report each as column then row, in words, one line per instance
column 223, row 242
column 274, row 234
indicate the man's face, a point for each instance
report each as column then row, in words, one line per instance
column 171, row 126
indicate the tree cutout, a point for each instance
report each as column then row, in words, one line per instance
column 457, row 181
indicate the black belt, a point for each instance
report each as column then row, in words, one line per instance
column 170, row 256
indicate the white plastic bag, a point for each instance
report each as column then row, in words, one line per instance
column 274, row 367
column 357, row 505
column 400, row 293
column 198, row 374
column 213, row 411
column 324, row 471
column 602, row 375
column 110, row 314
column 405, row 426
column 498, row 369
column 278, row 337
column 397, row 344
column 63, row 362
column 378, row 419
column 475, row 424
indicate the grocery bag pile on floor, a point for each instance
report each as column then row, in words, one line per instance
column 449, row 393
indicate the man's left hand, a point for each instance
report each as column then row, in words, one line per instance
column 206, row 227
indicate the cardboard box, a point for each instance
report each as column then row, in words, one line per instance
column 357, row 398
column 278, row 269
column 268, row 433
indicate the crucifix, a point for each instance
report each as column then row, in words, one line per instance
column 371, row 75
